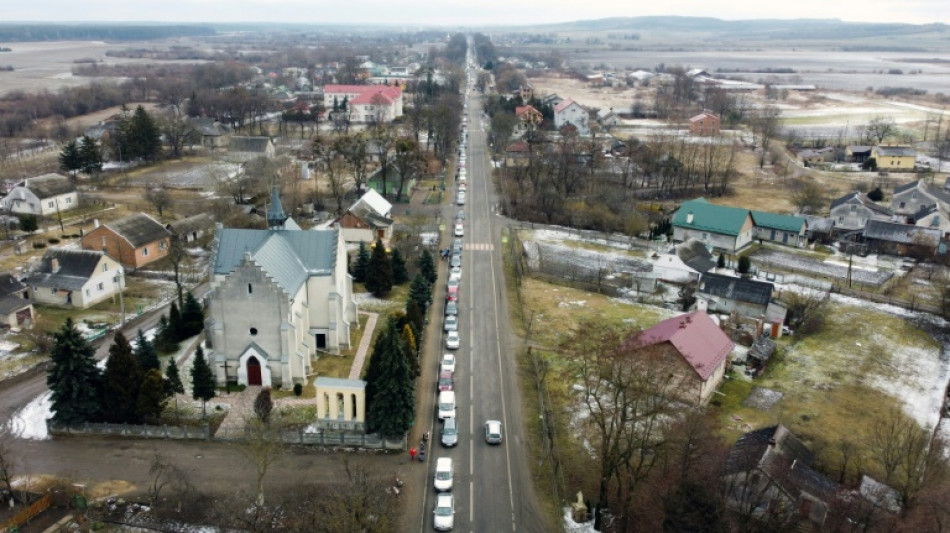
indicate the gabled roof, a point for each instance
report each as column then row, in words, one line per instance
column 9, row 285
column 288, row 256
column 882, row 230
column 391, row 91
column 257, row 145
column 49, row 185
column 199, row 222
column 755, row 447
column 860, row 198
column 522, row 109
column 11, row 295
column 777, row 221
column 209, row 127
column 75, row 268
column 858, row 148
column 702, row 116
column 895, row 151
column 139, row 229
column 374, row 202
column 738, row 289
column 916, row 184
column 711, row 217
column 696, row 337
column 695, row 255
column 519, row 146
column 564, row 104
column 819, row 224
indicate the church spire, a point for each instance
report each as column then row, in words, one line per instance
column 275, row 213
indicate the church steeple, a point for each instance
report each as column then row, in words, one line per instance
column 275, row 213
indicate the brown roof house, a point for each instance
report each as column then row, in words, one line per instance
column 75, row 278
column 42, row 196
column 16, row 308
column 704, row 123
column 768, row 476
column 134, row 241
column 702, row 347
column 368, row 219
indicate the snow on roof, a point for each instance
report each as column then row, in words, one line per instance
column 375, row 201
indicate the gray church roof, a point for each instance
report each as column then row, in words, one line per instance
column 289, row 256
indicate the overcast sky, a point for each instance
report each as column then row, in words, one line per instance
column 413, row 13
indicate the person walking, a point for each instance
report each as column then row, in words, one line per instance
column 412, row 454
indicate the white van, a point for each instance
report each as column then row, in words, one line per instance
column 443, row 474
column 446, row 404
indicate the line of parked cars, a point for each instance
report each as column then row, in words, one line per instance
column 444, row 512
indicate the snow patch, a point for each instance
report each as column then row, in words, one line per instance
column 30, row 422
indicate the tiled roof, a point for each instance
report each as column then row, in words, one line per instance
column 257, row 145
column 777, row 221
column 564, row 104
column 702, row 116
column 522, row 109
column 695, row 255
column 289, row 256
column 139, row 229
column 751, row 450
column 9, row 285
column 11, row 290
column 739, row 289
column 191, row 224
column 49, row 185
column 75, row 268
column 895, row 151
column 711, row 217
column 696, row 337
column 859, row 198
column 916, row 184
column 881, row 230
column 518, row 146
column 819, row 224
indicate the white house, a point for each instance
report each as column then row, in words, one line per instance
column 42, row 196
column 368, row 219
column 278, row 297
column 75, row 278
column 570, row 112
column 365, row 103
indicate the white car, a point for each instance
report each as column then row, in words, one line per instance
column 461, row 198
column 459, row 230
column 451, row 323
column 448, row 363
column 444, row 512
column 452, row 340
column 455, row 274
column 443, row 474
column 493, row 432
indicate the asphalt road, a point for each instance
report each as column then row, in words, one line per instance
column 492, row 483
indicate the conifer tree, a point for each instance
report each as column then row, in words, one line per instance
column 263, row 405
column 400, row 274
column 379, row 273
column 420, row 292
column 165, row 341
column 202, row 380
column 411, row 349
column 74, row 379
column 173, row 382
column 427, row 266
column 121, row 382
column 391, row 407
column 362, row 263
column 414, row 317
column 153, row 395
column 192, row 316
column 145, row 353
column 90, row 155
column 175, row 324
column 69, row 158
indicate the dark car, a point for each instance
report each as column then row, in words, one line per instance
column 450, row 433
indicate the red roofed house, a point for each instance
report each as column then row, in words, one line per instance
column 704, row 123
column 702, row 346
column 529, row 118
column 366, row 103
column 569, row 112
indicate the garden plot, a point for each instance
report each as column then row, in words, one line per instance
column 187, row 174
column 800, row 263
column 581, row 263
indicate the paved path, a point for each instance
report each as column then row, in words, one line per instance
column 240, row 408
column 360, row 356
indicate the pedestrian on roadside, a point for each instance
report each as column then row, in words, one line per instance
column 412, row 454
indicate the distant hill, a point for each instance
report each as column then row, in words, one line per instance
column 98, row 32
column 756, row 29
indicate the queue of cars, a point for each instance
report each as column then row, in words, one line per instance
column 444, row 511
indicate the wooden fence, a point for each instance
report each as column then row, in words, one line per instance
column 27, row 514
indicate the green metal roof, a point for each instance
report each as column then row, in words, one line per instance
column 776, row 221
column 710, row 217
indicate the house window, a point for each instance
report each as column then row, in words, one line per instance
column 161, row 245
column 144, row 252
column 854, row 208
column 51, row 204
column 840, row 220
column 105, row 267
column 69, row 201
column 87, row 292
column 101, row 286
column 705, row 236
column 902, row 205
column 103, row 241
column 53, row 290
column 250, row 289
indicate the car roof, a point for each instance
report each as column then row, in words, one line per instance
column 492, row 423
column 444, row 499
column 443, row 462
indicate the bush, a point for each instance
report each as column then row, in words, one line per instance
column 39, row 245
column 744, row 264
column 53, row 241
column 298, row 389
column 876, row 195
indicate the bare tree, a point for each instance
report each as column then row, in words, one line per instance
column 158, row 196
column 880, row 128
column 327, row 153
column 165, row 475
column 765, row 124
column 262, row 449
column 808, row 196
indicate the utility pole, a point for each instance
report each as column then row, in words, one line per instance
column 121, row 279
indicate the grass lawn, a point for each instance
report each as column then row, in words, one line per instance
column 338, row 366
column 297, row 416
column 839, row 380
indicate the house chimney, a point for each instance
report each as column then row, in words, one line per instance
column 55, row 265
column 772, row 441
column 689, row 218
column 95, row 223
